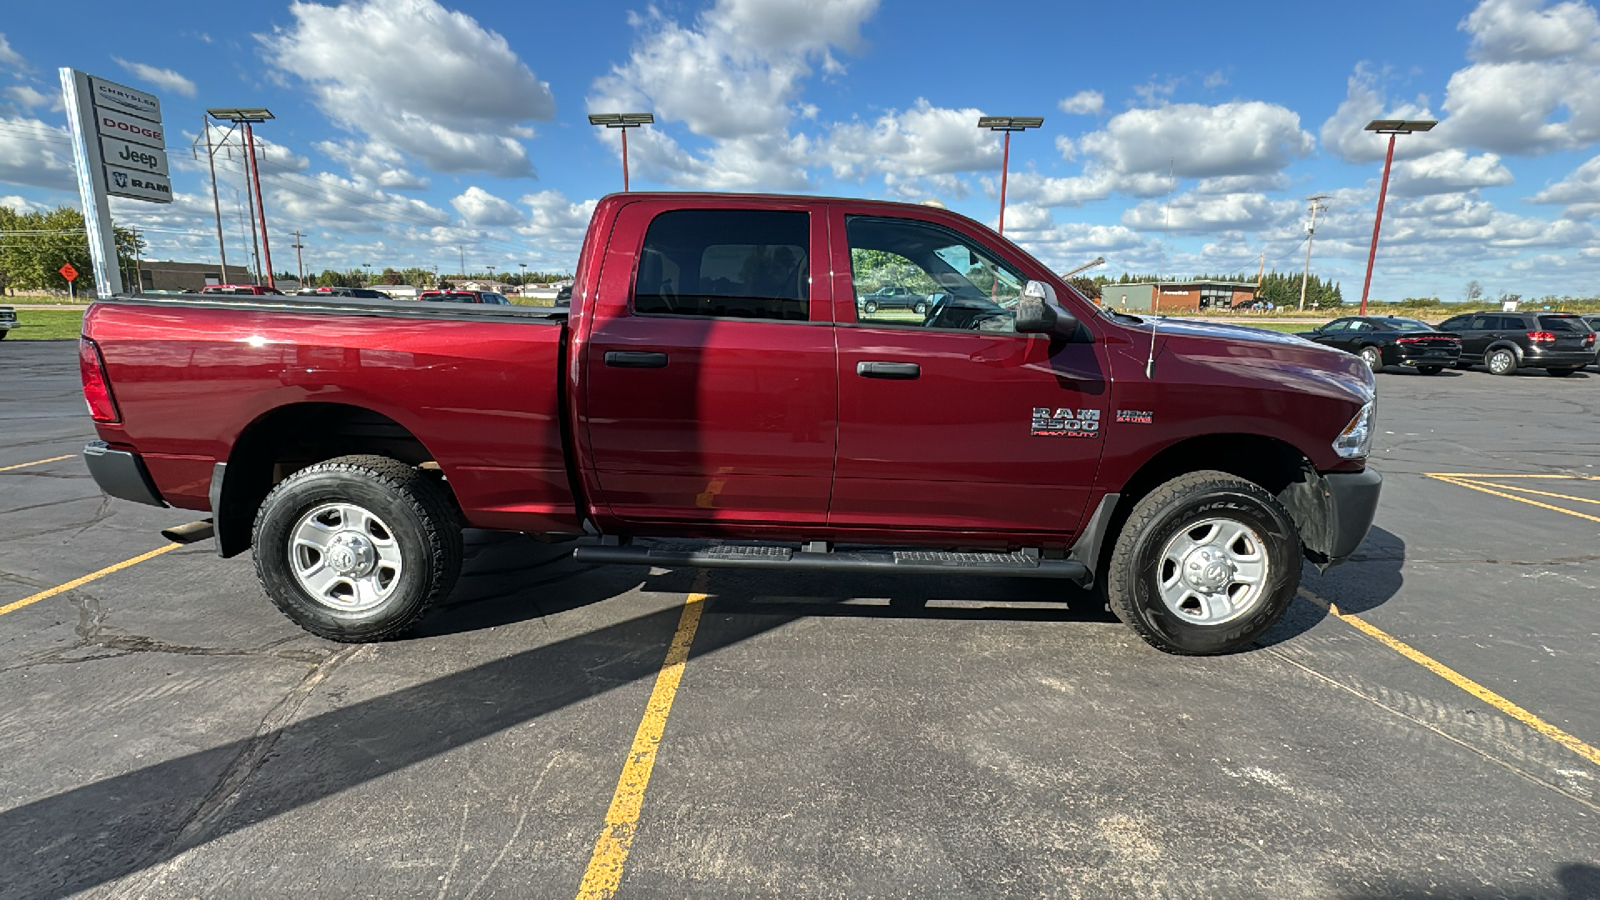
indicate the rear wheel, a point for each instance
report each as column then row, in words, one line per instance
column 1205, row 564
column 1501, row 361
column 1430, row 370
column 920, row 308
column 1373, row 357
column 1562, row 372
column 870, row 306
column 357, row 548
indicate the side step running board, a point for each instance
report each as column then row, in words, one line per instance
column 929, row 562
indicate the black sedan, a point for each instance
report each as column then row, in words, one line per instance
column 1391, row 341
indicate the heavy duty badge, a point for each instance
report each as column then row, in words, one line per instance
column 1066, row 422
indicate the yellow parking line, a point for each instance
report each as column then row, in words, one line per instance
column 1523, row 490
column 1461, row 681
column 604, row 875
column 1467, row 484
column 80, row 582
column 37, row 462
column 1502, row 475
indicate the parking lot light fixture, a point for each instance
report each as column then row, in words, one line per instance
column 1393, row 128
column 1007, row 124
column 622, row 121
column 247, row 116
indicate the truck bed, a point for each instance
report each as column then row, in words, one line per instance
column 478, row 387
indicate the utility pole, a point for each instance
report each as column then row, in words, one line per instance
column 463, row 249
column 216, row 203
column 298, row 262
column 138, row 275
column 1316, row 204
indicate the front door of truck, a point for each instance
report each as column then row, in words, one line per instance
column 949, row 420
column 709, row 367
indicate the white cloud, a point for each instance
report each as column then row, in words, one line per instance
column 1083, row 103
column 10, row 57
column 164, row 79
column 1239, row 138
column 374, row 161
column 26, row 98
column 734, row 77
column 479, row 208
column 1344, row 133
column 417, row 77
column 1448, row 171
column 1520, row 31
column 1579, row 191
column 22, row 204
column 923, row 140
column 1194, row 213
column 35, row 154
column 556, row 226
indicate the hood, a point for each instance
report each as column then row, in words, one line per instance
column 1273, row 356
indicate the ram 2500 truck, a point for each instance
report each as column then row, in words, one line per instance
column 711, row 399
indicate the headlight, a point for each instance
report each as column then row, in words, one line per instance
column 1355, row 442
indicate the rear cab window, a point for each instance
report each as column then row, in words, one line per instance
column 1564, row 323
column 726, row 263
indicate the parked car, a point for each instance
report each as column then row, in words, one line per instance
column 1390, row 341
column 1503, row 342
column 454, row 296
column 251, row 290
column 564, row 296
column 359, row 293
column 894, row 296
column 8, row 320
column 1594, row 323
column 350, row 447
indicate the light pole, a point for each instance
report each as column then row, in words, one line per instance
column 248, row 117
column 623, row 121
column 1007, row 124
column 1391, row 127
column 368, row 267
column 522, row 279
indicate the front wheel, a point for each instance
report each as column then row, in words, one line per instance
column 1501, row 361
column 1430, row 370
column 871, row 306
column 921, row 307
column 357, row 548
column 1205, row 564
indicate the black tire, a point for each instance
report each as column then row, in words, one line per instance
column 426, row 533
column 1133, row 574
column 1373, row 357
column 1501, row 361
column 1429, row 370
column 871, row 306
column 1563, row 371
column 921, row 308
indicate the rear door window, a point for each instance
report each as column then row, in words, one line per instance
column 731, row 263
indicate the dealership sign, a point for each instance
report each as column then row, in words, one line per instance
column 124, row 117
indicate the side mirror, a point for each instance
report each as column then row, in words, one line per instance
column 1037, row 312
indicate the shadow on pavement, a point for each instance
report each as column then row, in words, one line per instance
column 1364, row 582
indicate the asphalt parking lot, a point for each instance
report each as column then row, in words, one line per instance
column 1424, row 722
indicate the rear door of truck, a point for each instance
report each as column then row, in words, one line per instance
column 709, row 366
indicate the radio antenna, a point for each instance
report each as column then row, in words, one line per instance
column 1155, row 296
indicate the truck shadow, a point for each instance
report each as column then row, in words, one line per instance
column 1364, row 582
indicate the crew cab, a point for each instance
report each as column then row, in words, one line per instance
column 8, row 320
column 711, row 398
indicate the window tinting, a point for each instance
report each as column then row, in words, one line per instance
column 743, row 264
column 1563, row 323
column 914, row 274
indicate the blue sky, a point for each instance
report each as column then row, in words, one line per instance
column 407, row 129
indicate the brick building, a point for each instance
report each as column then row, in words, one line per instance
column 1177, row 296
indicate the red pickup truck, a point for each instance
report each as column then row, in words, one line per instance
column 715, row 397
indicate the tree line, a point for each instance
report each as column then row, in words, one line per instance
column 35, row 245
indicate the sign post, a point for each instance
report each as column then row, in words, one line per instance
column 120, row 149
column 71, row 275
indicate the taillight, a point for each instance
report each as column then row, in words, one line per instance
column 1541, row 337
column 1588, row 339
column 96, row 387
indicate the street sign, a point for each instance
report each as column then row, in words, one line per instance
column 68, row 272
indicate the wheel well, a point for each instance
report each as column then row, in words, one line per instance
column 1275, row 465
column 289, row 438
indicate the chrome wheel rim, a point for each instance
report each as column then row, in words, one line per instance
column 1499, row 361
column 1212, row 572
column 1373, row 358
column 345, row 557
